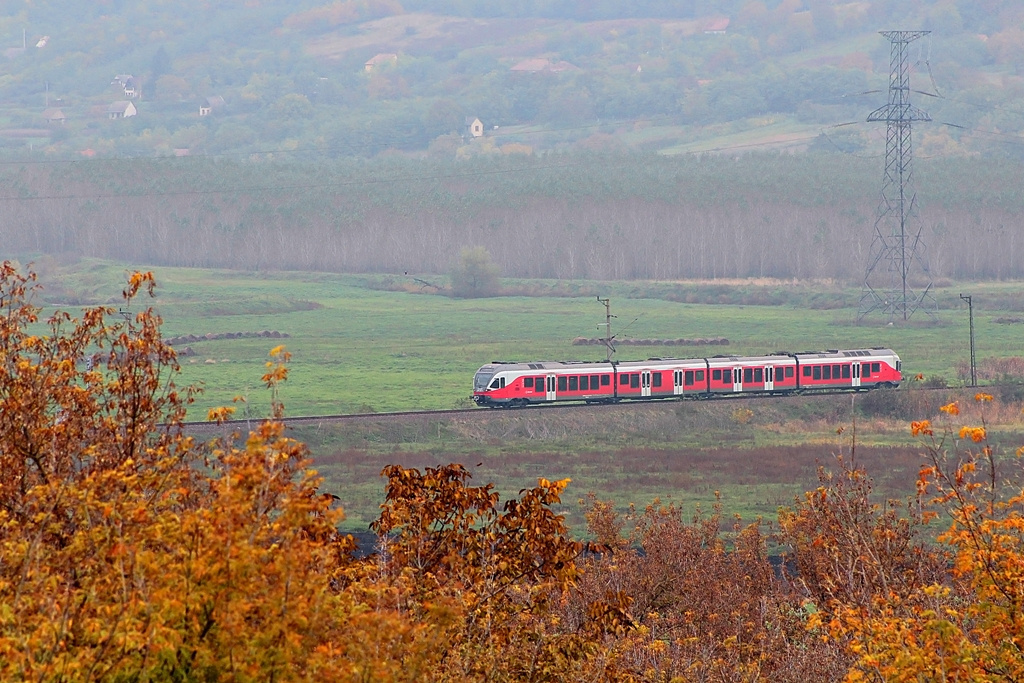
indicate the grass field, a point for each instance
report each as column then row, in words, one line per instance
column 357, row 350
column 361, row 349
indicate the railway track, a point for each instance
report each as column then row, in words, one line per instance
column 229, row 426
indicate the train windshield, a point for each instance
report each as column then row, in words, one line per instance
column 482, row 379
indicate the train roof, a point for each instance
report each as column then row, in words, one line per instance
column 853, row 353
column 500, row 365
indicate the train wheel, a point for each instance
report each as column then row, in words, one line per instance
column 520, row 403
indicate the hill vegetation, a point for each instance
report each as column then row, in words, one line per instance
column 293, row 79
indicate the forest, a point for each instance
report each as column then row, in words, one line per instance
column 601, row 216
column 130, row 550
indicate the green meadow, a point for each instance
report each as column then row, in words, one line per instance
column 358, row 348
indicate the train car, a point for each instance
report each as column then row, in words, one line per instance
column 732, row 375
column 660, row 378
column 511, row 385
column 849, row 370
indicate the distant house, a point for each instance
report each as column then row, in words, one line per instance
column 717, row 25
column 539, row 64
column 380, row 60
column 121, row 110
column 54, row 115
column 131, row 90
column 474, row 127
column 211, row 104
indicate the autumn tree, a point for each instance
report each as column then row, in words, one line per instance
column 967, row 625
column 127, row 550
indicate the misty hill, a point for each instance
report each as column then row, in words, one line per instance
column 360, row 77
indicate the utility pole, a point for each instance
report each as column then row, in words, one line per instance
column 970, row 313
column 607, row 325
column 896, row 245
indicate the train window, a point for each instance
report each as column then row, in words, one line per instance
column 865, row 370
column 539, row 384
column 816, row 372
column 716, row 375
column 561, row 384
column 748, row 375
column 495, row 384
column 688, row 377
column 656, row 379
column 835, row 372
column 727, row 376
column 758, row 375
column 585, row 383
column 606, row 380
column 876, row 367
column 846, row 372
column 789, row 372
column 634, row 380
column 624, row 380
column 807, row 371
column 826, row 372
column 574, row 383
column 528, row 382
column 700, row 375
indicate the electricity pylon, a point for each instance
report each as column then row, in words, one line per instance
column 897, row 245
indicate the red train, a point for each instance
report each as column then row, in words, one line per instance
column 512, row 385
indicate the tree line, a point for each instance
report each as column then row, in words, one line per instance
column 568, row 216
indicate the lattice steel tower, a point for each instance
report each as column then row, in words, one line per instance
column 897, row 246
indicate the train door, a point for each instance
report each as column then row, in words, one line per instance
column 769, row 378
column 677, row 382
column 645, row 383
column 737, row 379
column 550, row 388
column 856, row 374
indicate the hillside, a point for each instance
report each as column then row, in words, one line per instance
column 293, row 79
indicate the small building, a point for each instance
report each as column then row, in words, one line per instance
column 121, row 110
column 474, row 127
column 131, row 90
column 54, row 115
column 380, row 60
column 211, row 104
